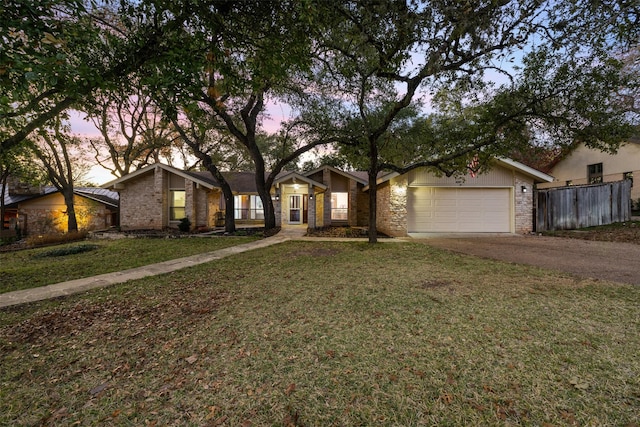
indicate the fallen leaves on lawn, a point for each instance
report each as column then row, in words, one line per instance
column 290, row 389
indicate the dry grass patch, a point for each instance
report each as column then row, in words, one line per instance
column 398, row 334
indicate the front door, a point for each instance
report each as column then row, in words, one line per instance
column 295, row 209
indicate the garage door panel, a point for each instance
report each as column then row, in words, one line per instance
column 441, row 209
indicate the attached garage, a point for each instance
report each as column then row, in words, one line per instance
column 459, row 210
column 422, row 202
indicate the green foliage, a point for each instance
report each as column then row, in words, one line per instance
column 184, row 225
column 68, row 250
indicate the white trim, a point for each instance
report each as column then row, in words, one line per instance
column 117, row 183
column 533, row 173
column 297, row 176
column 339, row 172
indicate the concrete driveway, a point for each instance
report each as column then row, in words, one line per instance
column 617, row 262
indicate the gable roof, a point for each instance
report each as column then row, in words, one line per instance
column 361, row 176
column 240, row 182
column 101, row 195
column 295, row 176
column 504, row 162
column 198, row 178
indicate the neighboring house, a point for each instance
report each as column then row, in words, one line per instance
column 583, row 165
column 159, row 196
column 44, row 211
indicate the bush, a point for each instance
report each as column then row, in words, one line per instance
column 69, row 250
column 185, row 225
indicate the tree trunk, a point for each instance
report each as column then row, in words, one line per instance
column 72, row 222
column 229, row 206
column 269, row 211
column 373, row 194
column 373, row 190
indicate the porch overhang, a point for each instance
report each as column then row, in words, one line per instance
column 295, row 177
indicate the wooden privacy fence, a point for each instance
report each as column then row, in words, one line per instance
column 568, row 208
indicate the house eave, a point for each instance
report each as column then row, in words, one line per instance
column 524, row 169
column 339, row 172
column 118, row 184
column 299, row 177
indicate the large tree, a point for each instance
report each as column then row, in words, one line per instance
column 133, row 133
column 380, row 59
column 60, row 155
column 54, row 54
column 243, row 57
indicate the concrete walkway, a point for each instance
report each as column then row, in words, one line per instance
column 102, row 280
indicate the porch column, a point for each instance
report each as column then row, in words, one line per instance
column 311, row 209
column 326, row 180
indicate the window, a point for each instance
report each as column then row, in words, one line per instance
column 248, row 207
column 629, row 176
column 339, row 206
column 177, row 205
column 594, row 173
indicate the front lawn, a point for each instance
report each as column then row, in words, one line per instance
column 44, row 266
column 321, row 334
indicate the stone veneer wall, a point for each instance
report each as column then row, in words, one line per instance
column 398, row 206
column 392, row 207
column 141, row 205
column 523, row 205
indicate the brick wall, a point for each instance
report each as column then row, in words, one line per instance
column 141, row 205
column 47, row 215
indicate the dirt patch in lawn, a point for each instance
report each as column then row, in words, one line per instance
column 617, row 261
column 628, row 232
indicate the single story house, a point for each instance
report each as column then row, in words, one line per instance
column 159, row 196
column 584, row 165
column 42, row 210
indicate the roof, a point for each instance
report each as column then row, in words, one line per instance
column 361, row 176
column 102, row 195
column 295, row 176
column 240, row 182
column 204, row 180
column 524, row 169
column 504, row 162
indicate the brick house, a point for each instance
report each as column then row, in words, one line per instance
column 42, row 210
column 159, row 196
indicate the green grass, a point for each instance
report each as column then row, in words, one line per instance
column 39, row 267
column 321, row 334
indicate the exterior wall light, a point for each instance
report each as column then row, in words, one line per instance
column 524, row 189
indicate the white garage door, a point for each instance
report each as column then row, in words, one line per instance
column 471, row 210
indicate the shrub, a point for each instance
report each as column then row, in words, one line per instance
column 69, row 250
column 185, row 225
